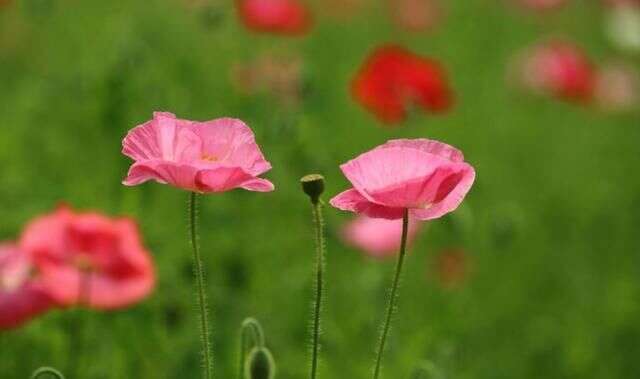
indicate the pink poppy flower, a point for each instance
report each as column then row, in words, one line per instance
column 559, row 69
column 21, row 297
column 89, row 259
column 275, row 16
column 205, row 157
column 429, row 178
column 378, row 238
column 393, row 79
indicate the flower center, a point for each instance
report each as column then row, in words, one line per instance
column 209, row 157
column 83, row 263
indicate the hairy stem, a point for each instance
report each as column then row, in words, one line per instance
column 394, row 294
column 200, row 283
column 317, row 309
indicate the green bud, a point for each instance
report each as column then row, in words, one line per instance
column 260, row 364
column 313, row 185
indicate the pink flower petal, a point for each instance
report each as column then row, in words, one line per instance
column 231, row 142
column 178, row 175
column 21, row 298
column 452, row 199
column 211, row 156
column 383, row 169
column 430, row 146
column 427, row 177
column 258, row 185
column 351, row 200
column 423, row 192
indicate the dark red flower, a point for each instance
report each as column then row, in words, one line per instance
column 275, row 16
column 393, row 78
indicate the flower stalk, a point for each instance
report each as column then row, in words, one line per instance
column 200, row 284
column 391, row 307
column 313, row 185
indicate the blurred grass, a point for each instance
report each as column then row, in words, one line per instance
column 551, row 224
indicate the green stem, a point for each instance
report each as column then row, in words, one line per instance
column 200, row 282
column 394, row 293
column 47, row 370
column 317, row 310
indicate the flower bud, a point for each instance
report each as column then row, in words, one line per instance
column 313, row 185
column 260, row 364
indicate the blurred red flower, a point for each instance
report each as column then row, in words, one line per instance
column 275, row 16
column 89, row 259
column 22, row 296
column 557, row 68
column 393, row 78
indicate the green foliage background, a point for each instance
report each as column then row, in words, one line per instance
column 551, row 225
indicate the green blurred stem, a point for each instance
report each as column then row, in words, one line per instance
column 200, row 283
column 249, row 325
column 394, row 293
column 47, row 371
column 317, row 310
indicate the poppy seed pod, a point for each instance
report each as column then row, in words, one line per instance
column 260, row 364
column 313, row 185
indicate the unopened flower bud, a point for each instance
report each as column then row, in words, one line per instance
column 313, row 185
column 260, row 364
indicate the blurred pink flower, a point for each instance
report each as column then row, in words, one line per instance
column 275, row 16
column 427, row 177
column 378, row 238
column 557, row 68
column 205, row 157
column 416, row 15
column 89, row 259
column 22, row 297
column 617, row 88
